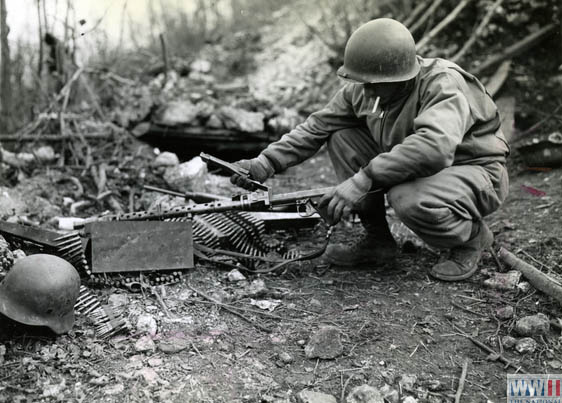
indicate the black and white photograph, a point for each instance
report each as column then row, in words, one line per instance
column 261, row 201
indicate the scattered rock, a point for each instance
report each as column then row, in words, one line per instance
column 201, row 66
column 508, row 341
column 389, row 376
column 410, row 399
column 309, row 396
column 434, row 385
column 256, row 288
column 533, row 325
column 315, row 305
column 389, row 394
column 266, row 304
column 240, row 119
column 408, row 381
column 364, row 394
column 524, row 287
column 147, row 324
column 166, row 159
column 555, row 364
column 505, row 312
column 148, row 374
column 175, row 113
column 118, row 300
column 173, row 344
column 114, row 389
column 325, row 343
column 504, row 281
column 18, row 254
column 145, row 344
column 525, row 345
column 235, row 275
column 286, row 358
column 154, row 361
column 45, row 154
column 188, row 176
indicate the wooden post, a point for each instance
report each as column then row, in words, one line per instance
column 5, row 71
column 164, row 57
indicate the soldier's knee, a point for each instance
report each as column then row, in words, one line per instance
column 339, row 139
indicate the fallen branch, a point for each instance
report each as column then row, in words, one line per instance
column 537, row 278
column 485, row 21
column 439, row 27
column 517, row 48
column 461, row 381
column 428, row 13
column 415, row 13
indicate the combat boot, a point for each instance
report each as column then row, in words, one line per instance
column 463, row 259
column 375, row 246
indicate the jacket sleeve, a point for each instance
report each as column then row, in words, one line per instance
column 304, row 140
column 441, row 123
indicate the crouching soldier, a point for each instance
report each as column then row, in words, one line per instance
column 423, row 130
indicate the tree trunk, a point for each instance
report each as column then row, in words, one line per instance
column 5, row 73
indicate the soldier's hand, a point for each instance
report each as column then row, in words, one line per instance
column 344, row 198
column 258, row 172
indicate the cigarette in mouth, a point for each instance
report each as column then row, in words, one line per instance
column 376, row 105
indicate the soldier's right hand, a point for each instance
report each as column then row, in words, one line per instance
column 258, row 172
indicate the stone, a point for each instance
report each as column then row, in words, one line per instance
column 187, row 176
column 118, row 300
column 286, row 358
column 145, row 344
column 166, row 159
column 410, row 399
column 315, row 305
column 525, row 345
column 389, row 376
column 408, row 382
column 148, row 374
column 256, row 288
column 235, row 275
column 45, row 154
column 214, row 122
column 504, row 281
column 533, row 325
column 173, row 344
column 364, row 394
column 147, row 324
column 113, row 389
column 508, row 342
column 242, row 120
column 434, row 385
column 524, row 287
column 155, row 362
column 325, row 343
column 309, row 396
column 201, row 66
column 389, row 394
column 176, row 113
column 505, row 312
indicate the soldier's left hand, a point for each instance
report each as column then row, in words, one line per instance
column 344, row 197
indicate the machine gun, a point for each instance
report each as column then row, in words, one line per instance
column 260, row 200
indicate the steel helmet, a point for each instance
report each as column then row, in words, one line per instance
column 380, row 51
column 41, row 290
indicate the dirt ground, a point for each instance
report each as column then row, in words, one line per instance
column 395, row 322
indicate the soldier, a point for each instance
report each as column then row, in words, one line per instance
column 424, row 131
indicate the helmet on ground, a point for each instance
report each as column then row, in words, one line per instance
column 380, row 51
column 41, row 290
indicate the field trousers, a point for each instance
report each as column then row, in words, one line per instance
column 441, row 209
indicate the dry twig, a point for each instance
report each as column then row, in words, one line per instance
column 461, row 381
column 428, row 13
column 517, row 48
column 439, row 27
column 485, row 21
